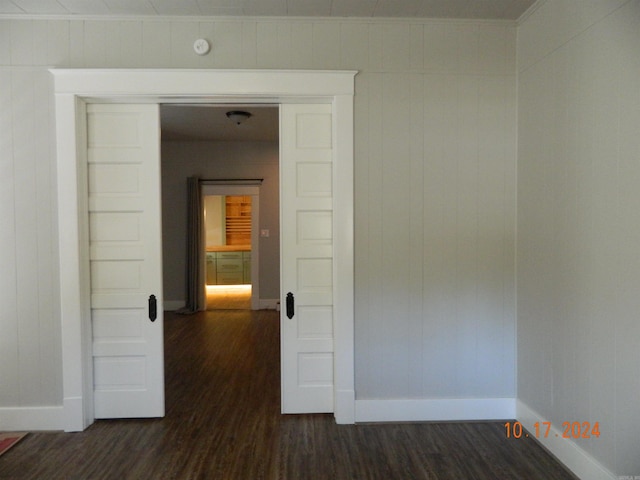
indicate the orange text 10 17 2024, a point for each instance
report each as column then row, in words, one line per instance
column 546, row 430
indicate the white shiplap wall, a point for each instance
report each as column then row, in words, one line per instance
column 578, row 229
column 29, row 333
column 435, row 186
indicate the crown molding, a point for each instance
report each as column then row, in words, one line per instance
column 263, row 19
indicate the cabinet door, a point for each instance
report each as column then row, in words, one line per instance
column 211, row 269
column 229, row 265
column 229, row 278
column 246, row 260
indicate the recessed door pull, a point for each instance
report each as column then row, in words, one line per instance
column 153, row 308
column 290, row 305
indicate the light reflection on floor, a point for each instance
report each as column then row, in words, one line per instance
column 226, row 297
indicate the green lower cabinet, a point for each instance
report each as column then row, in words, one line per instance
column 231, row 268
column 246, row 267
column 212, row 278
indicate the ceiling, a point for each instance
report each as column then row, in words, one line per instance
column 210, row 123
column 470, row 9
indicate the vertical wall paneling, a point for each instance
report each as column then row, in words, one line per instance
column 96, row 49
column 376, row 34
column 437, row 247
column 302, row 45
column 249, row 44
column 76, row 44
column 268, row 43
column 396, row 48
column 5, row 42
column 130, row 44
column 415, row 197
column 354, row 41
column 491, row 235
column 57, row 43
column 9, row 394
column 627, row 23
column 468, row 49
column 578, row 153
column 416, row 54
column 182, row 38
column 363, row 214
column 467, row 279
column 26, row 227
column 226, row 40
column 40, row 38
column 21, row 41
column 326, row 45
column 441, row 48
column 395, row 215
column 45, row 250
column 493, row 48
column 156, row 43
column 373, row 268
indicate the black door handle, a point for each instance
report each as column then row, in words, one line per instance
column 153, row 308
column 290, row 305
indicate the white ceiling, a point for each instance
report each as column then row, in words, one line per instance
column 210, row 123
column 472, row 9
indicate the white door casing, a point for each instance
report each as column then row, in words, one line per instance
column 306, row 205
column 75, row 89
column 125, row 253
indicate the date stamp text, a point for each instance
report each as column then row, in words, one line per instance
column 544, row 430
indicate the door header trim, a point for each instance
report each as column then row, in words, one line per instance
column 178, row 85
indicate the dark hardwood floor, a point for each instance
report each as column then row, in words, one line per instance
column 223, row 422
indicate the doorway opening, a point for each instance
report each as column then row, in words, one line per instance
column 238, row 168
column 227, row 224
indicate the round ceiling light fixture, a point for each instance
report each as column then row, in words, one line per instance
column 238, row 116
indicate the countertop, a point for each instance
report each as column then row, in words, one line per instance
column 229, row 248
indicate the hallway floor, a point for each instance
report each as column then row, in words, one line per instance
column 223, row 421
column 228, row 297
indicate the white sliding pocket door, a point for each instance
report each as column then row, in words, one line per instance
column 306, row 166
column 123, row 154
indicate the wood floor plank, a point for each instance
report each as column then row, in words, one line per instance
column 223, row 422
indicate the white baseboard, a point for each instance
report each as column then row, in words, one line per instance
column 31, row 418
column 564, row 449
column 441, row 409
column 268, row 303
column 172, row 305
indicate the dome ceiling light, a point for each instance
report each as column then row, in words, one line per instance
column 238, row 116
